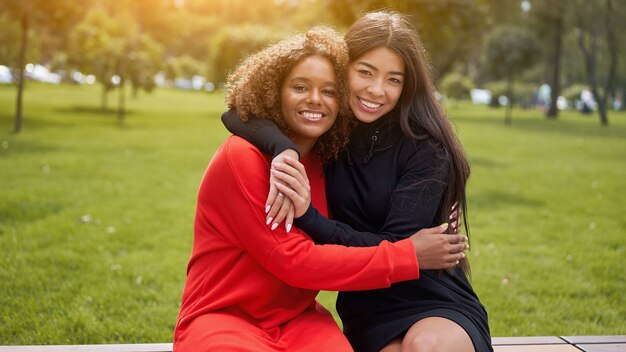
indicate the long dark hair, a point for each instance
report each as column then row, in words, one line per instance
column 421, row 115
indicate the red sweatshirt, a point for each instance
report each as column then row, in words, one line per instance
column 268, row 278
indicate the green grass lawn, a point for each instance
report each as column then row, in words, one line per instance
column 96, row 216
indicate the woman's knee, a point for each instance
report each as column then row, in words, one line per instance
column 421, row 342
column 436, row 334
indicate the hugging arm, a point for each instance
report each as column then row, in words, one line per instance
column 262, row 133
column 241, row 172
column 407, row 215
column 414, row 205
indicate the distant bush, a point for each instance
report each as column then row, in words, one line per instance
column 456, row 86
column 522, row 93
column 572, row 93
column 233, row 43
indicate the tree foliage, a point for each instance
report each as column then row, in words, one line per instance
column 549, row 21
column 508, row 52
column 456, row 86
column 598, row 24
column 132, row 40
column 39, row 15
column 10, row 39
column 450, row 29
column 102, row 46
column 233, row 43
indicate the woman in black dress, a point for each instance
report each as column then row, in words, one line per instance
column 403, row 170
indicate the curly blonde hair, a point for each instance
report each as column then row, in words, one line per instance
column 254, row 88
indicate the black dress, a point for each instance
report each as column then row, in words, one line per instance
column 384, row 186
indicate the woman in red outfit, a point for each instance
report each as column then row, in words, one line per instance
column 252, row 289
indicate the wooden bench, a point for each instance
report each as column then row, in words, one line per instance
column 611, row 343
column 607, row 343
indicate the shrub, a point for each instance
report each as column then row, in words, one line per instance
column 456, row 86
column 522, row 92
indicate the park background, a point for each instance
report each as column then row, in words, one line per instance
column 100, row 162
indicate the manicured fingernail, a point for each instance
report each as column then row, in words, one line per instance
column 444, row 225
column 457, row 262
column 288, row 227
column 267, row 222
column 267, row 208
column 467, row 246
column 274, row 226
column 462, row 255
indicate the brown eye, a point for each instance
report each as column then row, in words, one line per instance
column 329, row 92
column 299, row 88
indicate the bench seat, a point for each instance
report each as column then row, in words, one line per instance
column 605, row 343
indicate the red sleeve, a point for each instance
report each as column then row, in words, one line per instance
column 232, row 198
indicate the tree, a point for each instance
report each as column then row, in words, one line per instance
column 450, row 29
column 509, row 52
column 456, row 86
column 548, row 19
column 10, row 43
column 36, row 14
column 144, row 62
column 115, row 54
column 90, row 49
column 597, row 24
column 235, row 42
column 183, row 67
column 137, row 60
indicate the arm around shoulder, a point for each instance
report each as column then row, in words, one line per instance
column 262, row 133
column 241, row 170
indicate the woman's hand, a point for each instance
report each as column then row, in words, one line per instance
column 437, row 250
column 455, row 219
column 294, row 184
column 278, row 207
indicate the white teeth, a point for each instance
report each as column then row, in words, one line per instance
column 311, row 115
column 369, row 104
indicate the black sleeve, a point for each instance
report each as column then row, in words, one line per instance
column 262, row 133
column 414, row 205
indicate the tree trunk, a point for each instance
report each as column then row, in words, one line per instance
column 121, row 69
column 509, row 106
column 602, row 113
column 121, row 112
column 553, row 111
column 104, row 98
column 21, row 81
column 589, row 54
column 611, row 42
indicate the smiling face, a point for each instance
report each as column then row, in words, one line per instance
column 375, row 81
column 309, row 100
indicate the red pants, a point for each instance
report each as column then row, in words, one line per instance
column 314, row 330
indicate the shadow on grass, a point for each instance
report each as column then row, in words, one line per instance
column 35, row 122
column 97, row 111
column 23, row 212
column 564, row 125
column 484, row 162
column 17, row 146
column 70, row 117
column 492, row 199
